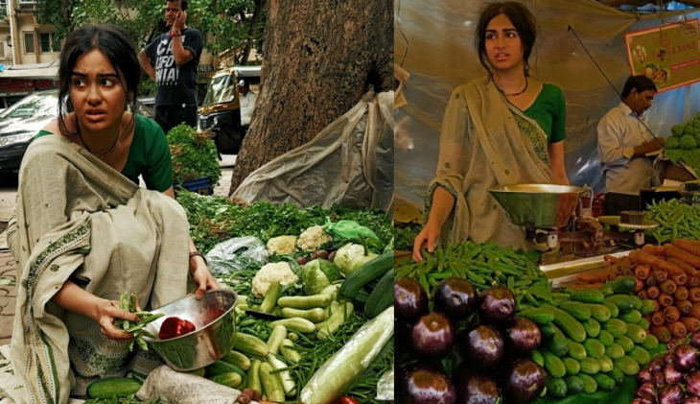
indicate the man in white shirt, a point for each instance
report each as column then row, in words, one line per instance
column 247, row 102
column 623, row 143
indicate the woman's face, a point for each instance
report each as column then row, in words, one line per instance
column 97, row 94
column 504, row 49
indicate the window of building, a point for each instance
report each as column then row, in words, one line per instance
column 27, row 1
column 28, row 42
column 49, row 42
column 3, row 8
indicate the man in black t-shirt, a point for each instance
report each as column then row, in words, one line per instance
column 171, row 60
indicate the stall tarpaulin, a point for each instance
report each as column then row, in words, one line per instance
column 434, row 43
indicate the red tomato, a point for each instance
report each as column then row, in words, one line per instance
column 346, row 400
column 174, row 327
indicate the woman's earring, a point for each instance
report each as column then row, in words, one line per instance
column 527, row 69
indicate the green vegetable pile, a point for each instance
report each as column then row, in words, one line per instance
column 193, row 155
column 684, row 144
column 676, row 220
column 404, row 233
column 214, row 219
column 484, row 265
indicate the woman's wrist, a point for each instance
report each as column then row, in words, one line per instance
column 196, row 256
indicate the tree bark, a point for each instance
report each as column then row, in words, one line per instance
column 321, row 56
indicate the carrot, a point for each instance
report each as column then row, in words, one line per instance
column 684, row 306
column 672, row 314
column 638, row 285
column 691, row 246
column 688, row 269
column 691, row 323
column 642, row 294
column 640, row 257
column 653, row 292
column 654, row 250
column 668, row 287
column 665, row 300
column 681, row 293
column 678, row 329
column 662, row 333
column 695, row 311
column 694, row 294
column 675, row 252
column 660, row 275
column 694, row 280
column 658, row 318
column 599, row 275
column 642, row 271
column 679, row 279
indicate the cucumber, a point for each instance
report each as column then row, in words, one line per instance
column 556, row 387
column 606, row 338
column 615, row 351
column 249, row 344
column 537, row 357
column 590, row 366
column 539, row 315
column 278, row 334
column 271, row 383
column 270, row 300
column 616, row 327
column 631, row 317
column 315, row 315
column 600, row 312
column 254, row 376
column 366, row 273
column 640, row 355
column 644, row 323
column 574, row 384
column 548, row 330
column 587, row 295
column 238, row 359
column 112, row 387
column 305, row 302
column 231, row 379
column 340, row 312
column 650, row 342
column 573, row 367
column 295, row 324
column 592, row 327
column 648, row 306
column 577, row 351
column 625, row 302
column 625, row 342
column 554, row 365
column 382, row 295
column 589, row 384
column 605, row 382
column 569, row 325
column 623, row 285
column 614, row 310
column 627, row 365
column 636, row 333
column 594, row 348
column 559, row 344
column 606, row 364
column 578, row 310
column 617, row 375
column 220, row 367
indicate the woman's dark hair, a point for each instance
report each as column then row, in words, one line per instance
column 522, row 19
column 183, row 4
column 640, row 83
column 115, row 45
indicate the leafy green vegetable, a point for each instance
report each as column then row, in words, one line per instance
column 676, row 220
column 193, row 155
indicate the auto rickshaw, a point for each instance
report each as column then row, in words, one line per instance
column 220, row 110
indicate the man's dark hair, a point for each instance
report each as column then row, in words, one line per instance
column 115, row 45
column 183, row 4
column 641, row 83
column 522, row 19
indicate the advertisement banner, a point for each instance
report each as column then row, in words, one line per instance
column 668, row 54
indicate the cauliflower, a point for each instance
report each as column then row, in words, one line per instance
column 351, row 256
column 273, row 272
column 282, row 245
column 313, row 238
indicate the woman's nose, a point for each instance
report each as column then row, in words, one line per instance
column 94, row 96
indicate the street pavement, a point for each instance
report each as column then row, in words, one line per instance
column 8, row 195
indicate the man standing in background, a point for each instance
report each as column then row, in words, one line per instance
column 247, row 101
column 171, row 60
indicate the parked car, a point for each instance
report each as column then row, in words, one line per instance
column 221, row 110
column 22, row 120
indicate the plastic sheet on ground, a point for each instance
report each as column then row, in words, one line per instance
column 624, row 393
column 385, row 386
column 233, row 254
column 349, row 163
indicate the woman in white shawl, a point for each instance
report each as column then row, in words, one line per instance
column 84, row 232
column 503, row 129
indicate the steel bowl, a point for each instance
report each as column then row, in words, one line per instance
column 538, row 205
column 213, row 317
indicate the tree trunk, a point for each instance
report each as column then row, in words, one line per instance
column 321, row 56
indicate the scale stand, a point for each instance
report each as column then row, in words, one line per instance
column 639, row 230
column 543, row 239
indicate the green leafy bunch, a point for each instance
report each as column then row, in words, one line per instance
column 193, row 155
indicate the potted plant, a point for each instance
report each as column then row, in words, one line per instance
column 194, row 159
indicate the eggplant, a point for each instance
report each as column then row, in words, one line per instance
column 432, row 336
column 484, row 345
column 671, row 394
column 410, row 300
column 429, row 387
column 476, row 389
column 523, row 335
column 685, row 357
column 695, row 340
column 524, row 382
column 456, row 297
column 647, row 391
column 497, row 304
column 692, row 383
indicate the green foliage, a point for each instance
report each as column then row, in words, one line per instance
column 677, row 130
column 672, row 143
column 688, row 142
column 193, row 155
